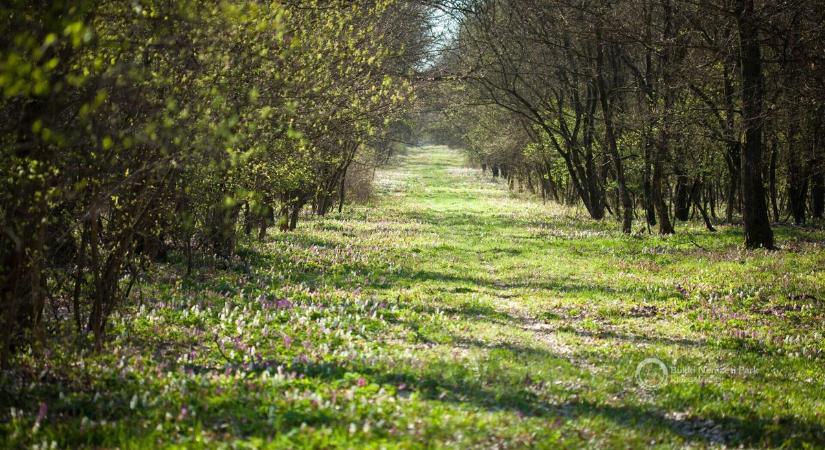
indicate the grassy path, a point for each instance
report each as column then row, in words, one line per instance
column 556, row 313
column 451, row 314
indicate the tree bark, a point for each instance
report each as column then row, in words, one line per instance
column 650, row 210
column 797, row 179
column 757, row 227
column 817, row 171
column 681, row 196
column 818, row 194
column 772, row 188
column 342, row 190
column 734, row 146
column 662, row 146
column 695, row 196
column 610, row 136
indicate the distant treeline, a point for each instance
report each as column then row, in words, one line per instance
column 650, row 110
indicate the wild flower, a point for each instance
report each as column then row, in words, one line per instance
column 283, row 304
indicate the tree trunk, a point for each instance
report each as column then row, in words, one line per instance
column 662, row 147
column 734, row 169
column 734, row 146
column 695, row 196
column 681, row 198
column 772, row 188
column 711, row 196
column 650, row 210
column 818, row 194
column 757, row 227
column 268, row 214
column 662, row 213
column 342, row 192
column 797, row 180
column 817, row 167
column 610, row 137
column 293, row 217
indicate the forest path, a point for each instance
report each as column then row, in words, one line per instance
column 483, row 227
column 450, row 312
column 552, row 313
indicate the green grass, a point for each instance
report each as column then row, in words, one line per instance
column 452, row 313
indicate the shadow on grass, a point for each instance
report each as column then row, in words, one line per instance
column 452, row 382
column 410, row 277
column 659, row 340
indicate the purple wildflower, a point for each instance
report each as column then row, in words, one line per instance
column 284, row 304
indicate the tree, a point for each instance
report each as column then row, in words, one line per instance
column 754, row 207
column 137, row 129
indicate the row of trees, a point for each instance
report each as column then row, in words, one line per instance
column 652, row 108
column 134, row 128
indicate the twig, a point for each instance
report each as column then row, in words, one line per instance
column 690, row 239
column 220, row 350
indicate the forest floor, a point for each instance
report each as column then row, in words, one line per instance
column 451, row 312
